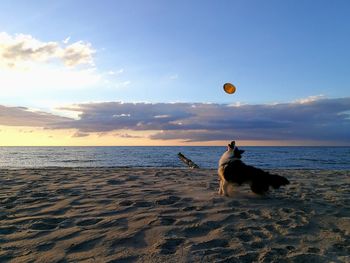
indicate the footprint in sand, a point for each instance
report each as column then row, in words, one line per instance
column 257, row 245
column 188, row 208
column 170, row 245
column 187, row 200
column 218, row 255
column 9, row 200
column 261, row 233
column 153, row 192
column 131, row 178
column 168, row 201
column 114, row 182
column 143, row 204
column 88, row 222
column 133, row 239
column 211, row 186
column 7, row 256
column 125, row 203
column 245, row 237
column 9, row 206
column 269, row 228
column 63, row 191
column 197, row 230
column 75, row 193
column 214, row 243
column 46, row 223
column 244, row 215
column 284, row 222
column 8, row 230
column 69, row 235
column 340, row 248
column 84, row 245
column 308, row 258
column 39, row 195
column 42, row 226
column 164, row 221
column 119, row 195
column 274, row 255
column 119, row 222
column 313, row 250
column 248, row 257
column 45, row 247
column 3, row 215
column 124, row 259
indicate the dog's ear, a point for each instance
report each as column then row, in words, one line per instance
column 231, row 145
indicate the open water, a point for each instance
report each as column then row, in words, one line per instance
column 337, row 158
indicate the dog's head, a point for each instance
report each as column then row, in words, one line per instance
column 236, row 152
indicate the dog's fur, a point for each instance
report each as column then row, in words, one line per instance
column 233, row 171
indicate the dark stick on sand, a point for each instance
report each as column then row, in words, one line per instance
column 187, row 161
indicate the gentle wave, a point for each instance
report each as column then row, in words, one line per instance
column 337, row 158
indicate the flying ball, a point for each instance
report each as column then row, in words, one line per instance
column 229, row 88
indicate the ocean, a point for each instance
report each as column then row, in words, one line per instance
column 323, row 158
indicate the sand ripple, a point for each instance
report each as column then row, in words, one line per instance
column 170, row 215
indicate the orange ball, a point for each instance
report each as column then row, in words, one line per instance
column 229, row 88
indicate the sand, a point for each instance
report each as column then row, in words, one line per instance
column 170, row 215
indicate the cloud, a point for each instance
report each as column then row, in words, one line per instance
column 118, row 72
column 34, row 68
column 310, row 99
column 318, row 119
column 108, row 116
column 22, row 116
column 80, row 134
column 21, row 49
column 66, row 40
column 127, row 136
column 77, row 53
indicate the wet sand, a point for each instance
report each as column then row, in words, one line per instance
column 170, row 215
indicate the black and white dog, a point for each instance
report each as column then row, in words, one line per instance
column 233, row 171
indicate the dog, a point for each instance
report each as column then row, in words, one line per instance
column 233, row 171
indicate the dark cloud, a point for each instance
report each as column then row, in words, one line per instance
column 22, row 116
column 321, row 119
column 80, row 134
column 128, row 136
column 108, row 116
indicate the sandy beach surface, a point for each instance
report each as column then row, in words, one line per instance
column 170, row 215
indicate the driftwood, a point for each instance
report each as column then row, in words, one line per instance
column 187, row 161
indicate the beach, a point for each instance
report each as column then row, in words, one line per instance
column 170, row 215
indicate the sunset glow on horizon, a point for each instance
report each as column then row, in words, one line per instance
column 152, row 73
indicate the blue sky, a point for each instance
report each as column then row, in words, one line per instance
column 185, row 50
column 177, row 51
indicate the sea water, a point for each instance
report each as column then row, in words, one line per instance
column 206, row 157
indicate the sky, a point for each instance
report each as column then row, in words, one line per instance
column 151, row 72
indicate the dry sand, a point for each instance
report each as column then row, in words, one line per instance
column 170, row 215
